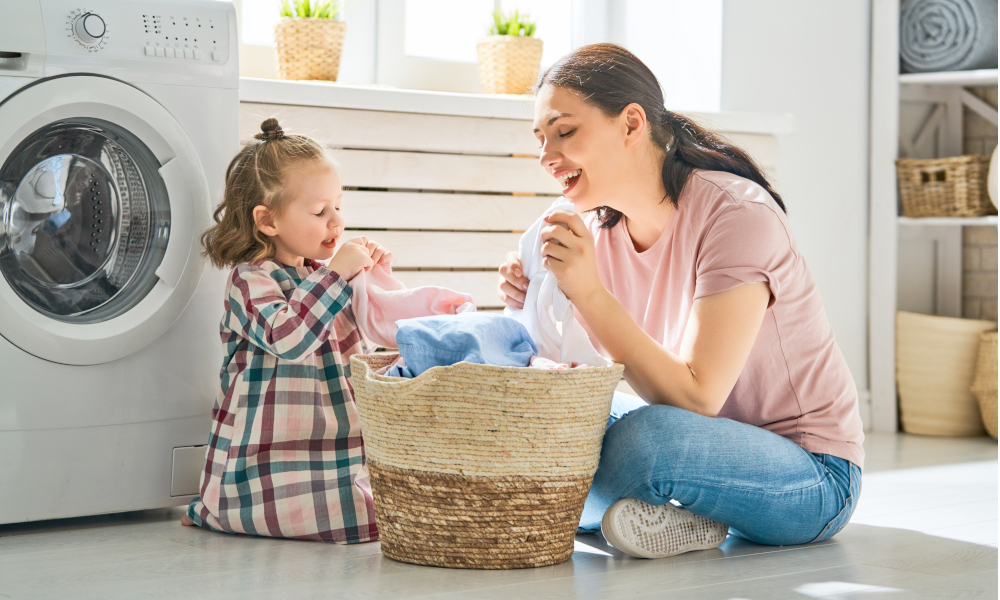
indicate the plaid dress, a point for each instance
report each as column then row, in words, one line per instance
column 285, row 456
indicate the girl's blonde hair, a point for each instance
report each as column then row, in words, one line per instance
column 256, row 176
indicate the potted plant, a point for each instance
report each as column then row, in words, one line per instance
column 510, row 57
column 309, row 39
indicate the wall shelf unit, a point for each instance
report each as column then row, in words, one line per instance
column 914, row 264
column 965, row 78
column 946, row 221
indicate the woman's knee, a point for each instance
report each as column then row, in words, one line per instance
column 646, row 436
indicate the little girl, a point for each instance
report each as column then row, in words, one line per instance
column 285, row 455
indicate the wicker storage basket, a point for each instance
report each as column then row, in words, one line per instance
column 944, row 187
column 984, row 386
column 309, row 48
column 508, row 64
column 479, row 466
column 935, row 361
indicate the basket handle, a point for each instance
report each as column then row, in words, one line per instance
column 933, row 175
column 403, row 382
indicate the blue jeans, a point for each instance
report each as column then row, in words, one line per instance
column 765, row 487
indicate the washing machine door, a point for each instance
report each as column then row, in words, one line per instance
column 102, row 203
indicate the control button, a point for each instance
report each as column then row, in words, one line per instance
column 149, row 50
column 216, row 55
column 198, row 55
column 90, row 28
column 168, row 52
column 159, row 51
column 188, row 53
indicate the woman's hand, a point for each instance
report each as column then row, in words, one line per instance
column 379, row 255
column 351, row 259
column 568, row 252
column 513, row 284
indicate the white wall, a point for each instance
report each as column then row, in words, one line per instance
column 812, row 60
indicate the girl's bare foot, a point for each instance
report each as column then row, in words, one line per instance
column 186, row 521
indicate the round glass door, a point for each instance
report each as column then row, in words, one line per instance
column 85, row 220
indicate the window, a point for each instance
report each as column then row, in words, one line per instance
column 448, row 30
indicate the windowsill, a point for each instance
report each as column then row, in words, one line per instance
column 371, row 97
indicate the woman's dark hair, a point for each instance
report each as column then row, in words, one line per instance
column 610, row 77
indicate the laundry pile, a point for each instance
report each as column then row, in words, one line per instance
column 544, row 334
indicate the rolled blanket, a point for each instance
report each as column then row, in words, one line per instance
column 948, row 35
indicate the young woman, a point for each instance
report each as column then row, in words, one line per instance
column 687, row 272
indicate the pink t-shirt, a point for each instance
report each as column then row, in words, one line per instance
column 728, row 231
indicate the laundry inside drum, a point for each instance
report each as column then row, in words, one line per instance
column 85, row 220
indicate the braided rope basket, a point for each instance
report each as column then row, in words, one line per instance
column 309, row 48
column 508, row 64
column 984, row 386
column 935, row 366
column 478, row 466
column 944, row 187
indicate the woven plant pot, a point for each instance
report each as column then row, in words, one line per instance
column 935, row 362
column 309, row 48
column 508, row 64
column 944, row 187
column 984, row 386
column 478, row 466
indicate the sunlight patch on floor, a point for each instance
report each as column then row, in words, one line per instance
column 834, row 590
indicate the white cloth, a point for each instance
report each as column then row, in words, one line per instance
column 548, row 313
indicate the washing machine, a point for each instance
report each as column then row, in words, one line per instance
column 117, row 121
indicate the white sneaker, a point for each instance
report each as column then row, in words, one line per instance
column 646, row 531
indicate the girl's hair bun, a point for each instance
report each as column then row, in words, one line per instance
column 270, row 130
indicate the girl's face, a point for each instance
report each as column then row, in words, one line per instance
column 310, row 223
column 581, row 147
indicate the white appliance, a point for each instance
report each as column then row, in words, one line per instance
column 117, row 121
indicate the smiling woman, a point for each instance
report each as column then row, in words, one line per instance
column 687, row 273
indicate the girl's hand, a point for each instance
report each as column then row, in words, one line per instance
column 568, row 252
column 378, row 254
column 513, row 284
column 350, row 260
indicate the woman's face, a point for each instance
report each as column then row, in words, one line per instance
column 580, row 146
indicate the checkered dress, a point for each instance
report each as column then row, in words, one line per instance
column 285, row 456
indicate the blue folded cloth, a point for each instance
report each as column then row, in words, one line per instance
column 440, row 340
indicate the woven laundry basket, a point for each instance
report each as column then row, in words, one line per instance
column 508, row 64
column 478, row 466
column 944, row 187
column 309, row 48
column 935, row 362
column 984, row 386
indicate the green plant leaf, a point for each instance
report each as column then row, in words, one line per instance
column 512, row 23
column 318, row 9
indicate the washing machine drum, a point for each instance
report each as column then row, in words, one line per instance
column 102, row 203
column 86, row 222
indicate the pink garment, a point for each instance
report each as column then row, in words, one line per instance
column 539, row 362
column 728, row 231
column 380, row 300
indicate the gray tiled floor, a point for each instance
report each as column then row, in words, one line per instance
column 925, row 527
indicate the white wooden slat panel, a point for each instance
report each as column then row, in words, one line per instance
column 415, row 210
column 444, row 249
column 346, row 128
column 762, row 148
column 425, row 171
column 481, row 285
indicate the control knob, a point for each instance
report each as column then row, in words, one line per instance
column 90, row 28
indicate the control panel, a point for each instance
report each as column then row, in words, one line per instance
column 187, row 30
column 182, row 36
